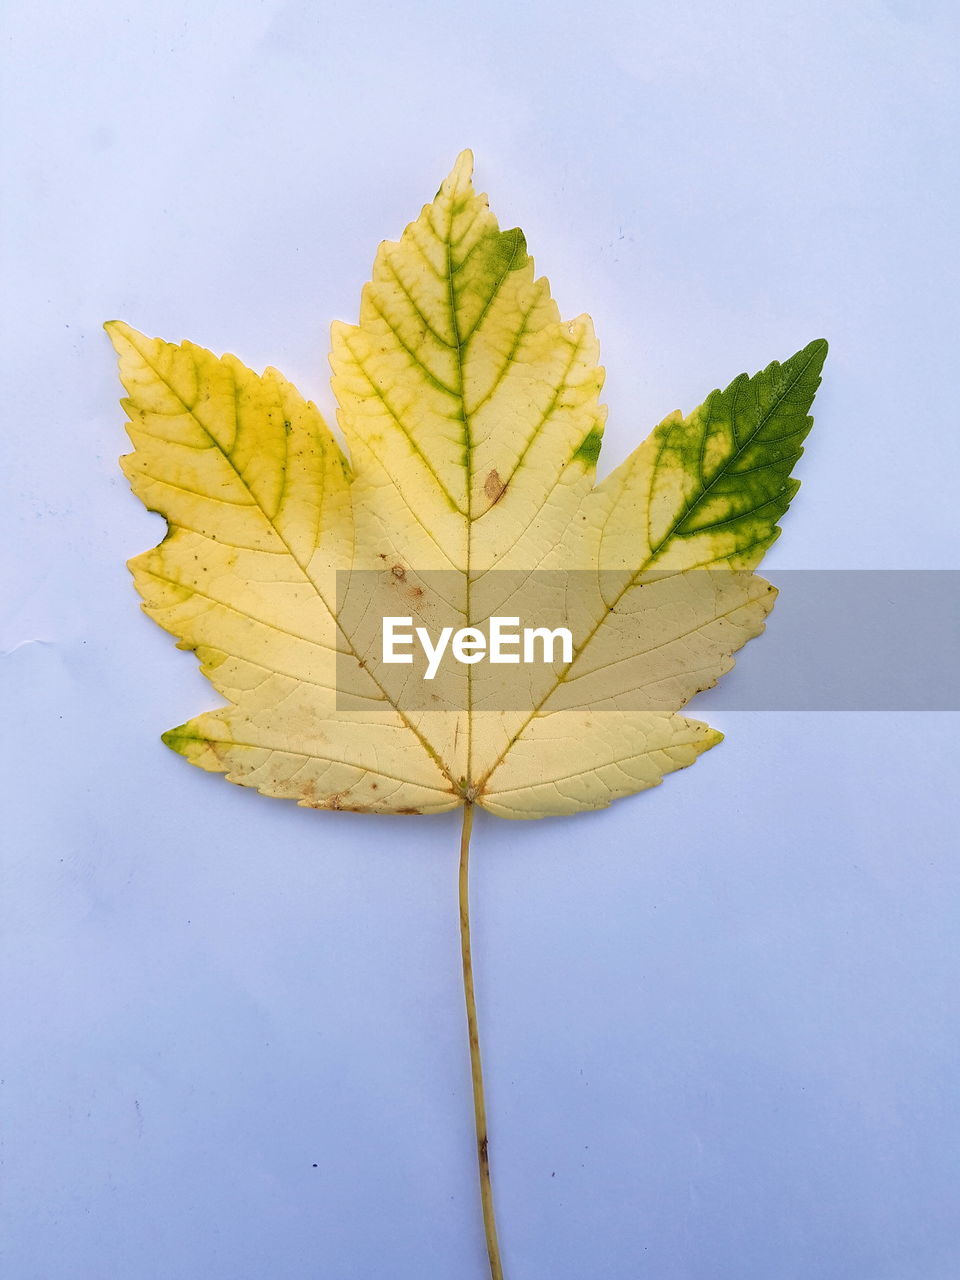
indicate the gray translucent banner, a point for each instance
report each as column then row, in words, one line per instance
column 838, row 640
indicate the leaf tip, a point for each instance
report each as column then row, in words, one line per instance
column 119, row 332
column 188, row 742
column 815, row 352
column 460, row 177
column 178, row 739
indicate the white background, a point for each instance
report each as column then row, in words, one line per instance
column 720, row 1018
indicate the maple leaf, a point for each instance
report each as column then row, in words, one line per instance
column 472, row 420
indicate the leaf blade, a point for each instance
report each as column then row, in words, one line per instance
column 472, row 416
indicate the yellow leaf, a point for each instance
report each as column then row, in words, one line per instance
column 472, row 420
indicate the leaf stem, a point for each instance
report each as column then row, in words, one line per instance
column 479, row 1107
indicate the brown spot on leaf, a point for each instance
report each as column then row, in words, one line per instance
column 494, row 487
column 336, row 801
column 408, row 811
column 399, row 571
